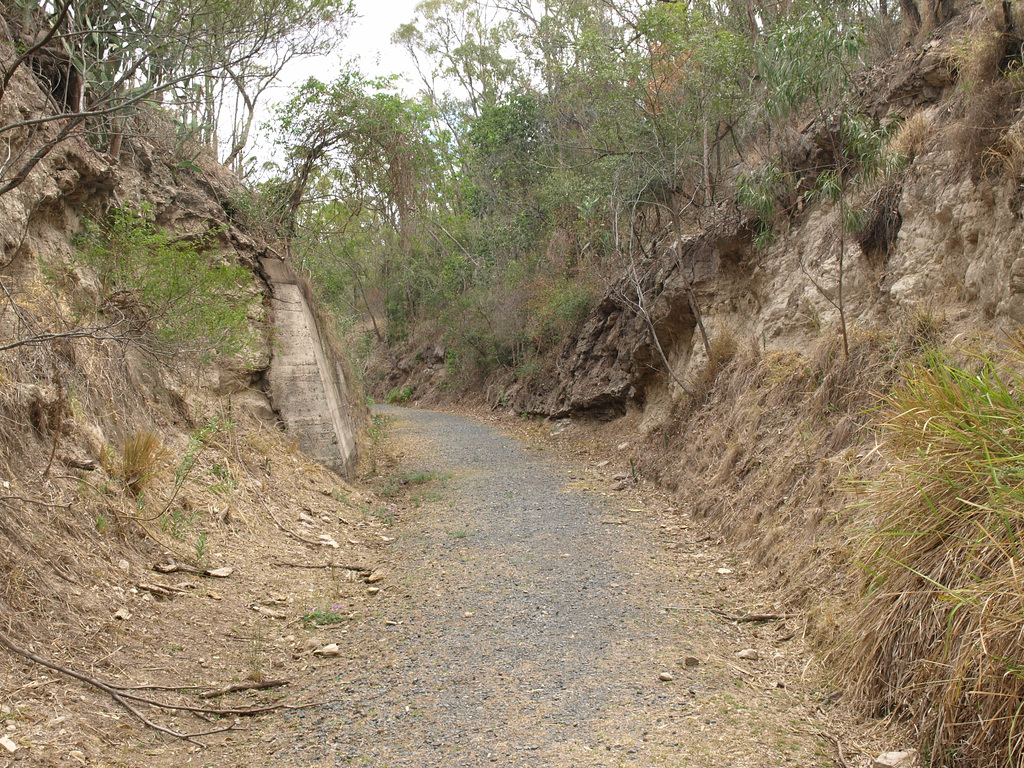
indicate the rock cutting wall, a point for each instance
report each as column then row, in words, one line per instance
column 307, row 389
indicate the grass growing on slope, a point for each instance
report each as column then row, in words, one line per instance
column 940, row 638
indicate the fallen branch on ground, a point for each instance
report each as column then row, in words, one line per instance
column 161, row 589
column 843, row 762
column 128, row 701
column 235, row 687
column 753, row 616
column 356, row 568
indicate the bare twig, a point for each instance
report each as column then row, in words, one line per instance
column 118, row 696
column 356, row 568
column 843, row 762
column 640, row 307
column 749, row 617
column 37, row 502
column 127, row 700
column 251, row 686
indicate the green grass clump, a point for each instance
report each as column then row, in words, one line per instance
column 940, row 637
column 324, row 617
column 398, row 396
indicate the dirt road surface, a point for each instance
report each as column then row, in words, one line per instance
column 533, row 617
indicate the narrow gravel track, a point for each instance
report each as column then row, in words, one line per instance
column 526, row 621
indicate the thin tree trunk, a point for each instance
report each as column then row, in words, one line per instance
column 838, row 153
column 911, row 14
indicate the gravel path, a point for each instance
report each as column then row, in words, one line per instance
column 526, row 621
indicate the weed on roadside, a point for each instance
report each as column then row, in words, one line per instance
column 323, row 617
column 944, row 591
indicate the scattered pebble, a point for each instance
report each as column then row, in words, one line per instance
column 691, row 661
column 666, row 677
column 750, row 654
column 7, row 743
column 122, row 614
column 331, row 649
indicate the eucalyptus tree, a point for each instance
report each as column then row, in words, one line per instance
column 104, row 60
column 462, row 43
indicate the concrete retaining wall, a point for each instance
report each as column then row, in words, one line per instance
column 307, row 387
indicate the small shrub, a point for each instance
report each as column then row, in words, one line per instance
column 398, row 395
column 202, row 545
column 224, row 483
column 764, row 192
column 323, row 617
column 560, row 307
column 177, row 522
column 385, row 514
column 173, row 291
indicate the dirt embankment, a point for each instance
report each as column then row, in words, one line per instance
column 121, row 454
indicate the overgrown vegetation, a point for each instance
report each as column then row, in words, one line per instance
column 170, row 295
column 611, row 132
column 938, row 639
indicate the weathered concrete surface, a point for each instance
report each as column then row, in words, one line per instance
column 307, row 387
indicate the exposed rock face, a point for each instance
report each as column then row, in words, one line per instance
column 308, row 389
column 612, row 360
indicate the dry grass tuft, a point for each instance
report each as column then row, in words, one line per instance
column 142, row 457
column 1007, row 154
column 723, row 349
column 913, row 136
column 939, row 640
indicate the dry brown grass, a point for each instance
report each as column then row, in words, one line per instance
column 939, row 638
column 142, row 456
column 989, row 84
column 1007, row 154
column 723, row 348
column 913, row 137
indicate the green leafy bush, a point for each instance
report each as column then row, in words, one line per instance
column 174, row 292
column 399, row 395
